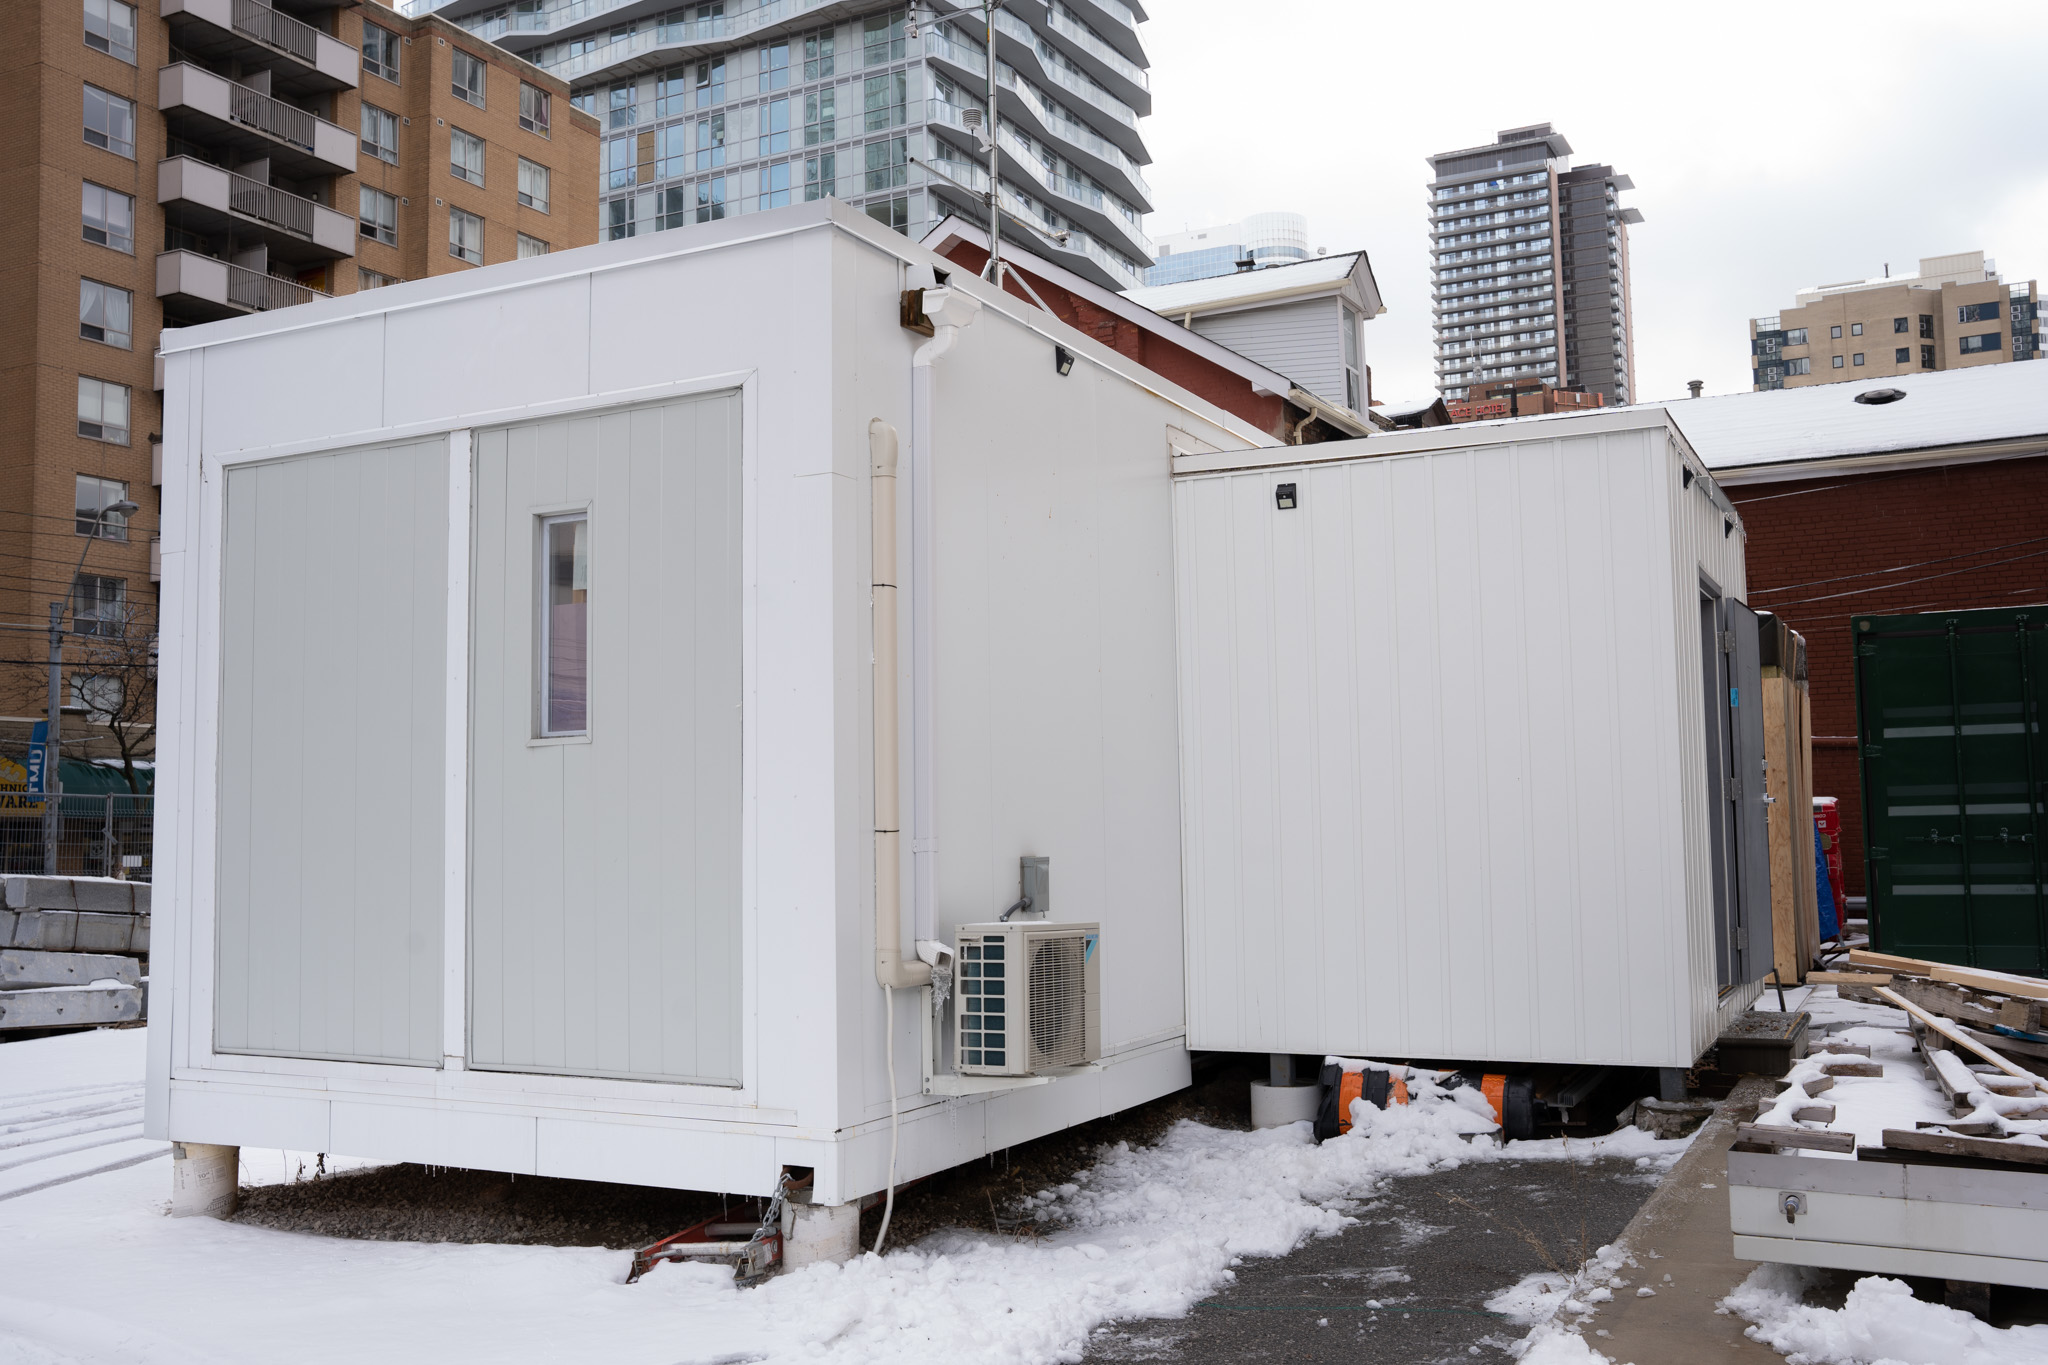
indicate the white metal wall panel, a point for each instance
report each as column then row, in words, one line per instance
column 1431, row 756
column 1303, row 341
column 329, row 886
column 605, row 870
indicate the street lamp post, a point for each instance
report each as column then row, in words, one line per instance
column 53, row 785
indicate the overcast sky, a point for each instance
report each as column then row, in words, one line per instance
column 1772, row 145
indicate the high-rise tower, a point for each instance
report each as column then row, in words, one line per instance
column 716, row 109
column 1530, row 268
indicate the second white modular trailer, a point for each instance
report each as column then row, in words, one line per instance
column 530, row 788
column 1471, row 747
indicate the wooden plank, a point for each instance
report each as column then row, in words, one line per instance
column 2012, row 1047
column 1982, row 1129
column 1990, row 1149
column 1808, row 1138
column 1949, row 1001
column 2024, row 1015
column 1852, row 1068
column 1863, row 957
column 1779, row 707
column 21, row 968
column 1848, row 978
column 1955, row 1079
column 1814, row 1113
column 1997, row 983
column 1955, row 1035
column 1844, row 1049
column 1819, row 1085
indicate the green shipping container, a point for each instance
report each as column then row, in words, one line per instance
column 1948, row 726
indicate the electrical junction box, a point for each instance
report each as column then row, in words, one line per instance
column 1028, row 998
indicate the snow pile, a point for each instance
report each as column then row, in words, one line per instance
column 1543, row 1302
column 1881, row 1323
column 1144, row 1233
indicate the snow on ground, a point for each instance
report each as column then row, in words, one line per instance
column 108, row 1276
column 1880, row 1324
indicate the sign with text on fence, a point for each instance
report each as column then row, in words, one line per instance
column 21, row 787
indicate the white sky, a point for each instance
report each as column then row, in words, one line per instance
column 1772, row 145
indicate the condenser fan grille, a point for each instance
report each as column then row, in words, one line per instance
column 1059, row 1006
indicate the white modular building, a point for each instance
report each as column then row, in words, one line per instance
column 529, row 770
column 1469, row 768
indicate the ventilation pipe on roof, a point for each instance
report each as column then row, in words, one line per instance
column 1696, row 386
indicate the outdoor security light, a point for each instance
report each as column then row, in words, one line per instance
column 1283, row 497
column 1063, row 360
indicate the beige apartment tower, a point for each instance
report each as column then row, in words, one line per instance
column 172, row 162
column 1953, row 314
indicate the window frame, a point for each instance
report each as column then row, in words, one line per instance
column 101, row 601
column 460, row 139
column 385, row 121
column 458, row 215
column 100, row 527
column 526, row 239
column 528, row 170
column 1838, row 362
column 388, row 45
column 457, row 59
column 1988, row 343
column 367, row 278
column 107, row 332
column 113, row 47
column 105, row 227
column 126, row 429
column 376, row 228
column 1902, row 355
column 543, row 672
column 536, row 115
column 111, row 102
column 1855, row 329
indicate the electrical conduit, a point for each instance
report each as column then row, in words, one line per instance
column 949, row 311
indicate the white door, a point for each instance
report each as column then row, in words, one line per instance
column 605, row 745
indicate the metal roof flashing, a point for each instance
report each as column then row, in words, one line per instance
column 1429, row 440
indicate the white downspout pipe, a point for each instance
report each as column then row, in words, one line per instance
column 891, row 968
column 949, row 311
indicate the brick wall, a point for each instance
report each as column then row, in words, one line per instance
column 1875, row 535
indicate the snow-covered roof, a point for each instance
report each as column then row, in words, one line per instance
column 1407, row 408
column 1943, row 413
column 1324, row 274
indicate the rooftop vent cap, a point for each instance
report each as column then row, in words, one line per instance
column 1877, row 398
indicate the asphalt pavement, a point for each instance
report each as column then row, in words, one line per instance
column 1429, row 1251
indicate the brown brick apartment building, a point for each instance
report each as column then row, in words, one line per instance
column 1955, row 314
column 1936, row 501
column 178, row 161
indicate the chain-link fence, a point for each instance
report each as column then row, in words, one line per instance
column 86, row 835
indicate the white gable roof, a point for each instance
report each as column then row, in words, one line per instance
column 1323, row 275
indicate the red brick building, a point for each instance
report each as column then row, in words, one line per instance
column 1934, row 501
column 1520, row 398
column 1267, row 399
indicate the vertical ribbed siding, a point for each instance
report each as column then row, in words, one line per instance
column 1434, row 728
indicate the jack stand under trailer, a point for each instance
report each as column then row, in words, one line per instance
column 760, row 1253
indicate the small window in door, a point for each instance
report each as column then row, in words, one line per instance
column 565, row 625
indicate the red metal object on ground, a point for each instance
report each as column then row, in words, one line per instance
column 1827, row 817
column 753, row 1250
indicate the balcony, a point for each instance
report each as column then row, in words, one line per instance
column 660, row 44
column 1034, row 49
column 1116, row 22
column 210, row 288
column 1122, row 77
column 213, row 110
column 212, row 200
column 254, row 34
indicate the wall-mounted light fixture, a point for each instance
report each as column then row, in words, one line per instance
column 1283, row 497
column 1727, row 527
column 1063, row 360
column 1688, row 476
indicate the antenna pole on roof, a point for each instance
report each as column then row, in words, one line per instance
column 995, row 129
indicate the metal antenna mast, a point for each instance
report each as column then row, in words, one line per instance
column 995, row 128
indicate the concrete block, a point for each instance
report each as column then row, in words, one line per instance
column 204, row 1179
column 21, row 968
column 107, row 895
column 63, row 1007
column 819, row 1232
column 71, row 931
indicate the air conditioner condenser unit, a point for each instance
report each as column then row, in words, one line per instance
column 1029, row 998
